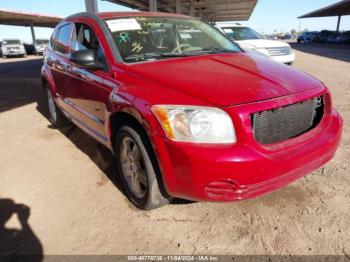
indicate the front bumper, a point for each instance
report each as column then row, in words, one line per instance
column 285, row 59
column 246, row 169
column 13, row 53
column 40, row 51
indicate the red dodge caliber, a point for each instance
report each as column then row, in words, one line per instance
column 185, row 111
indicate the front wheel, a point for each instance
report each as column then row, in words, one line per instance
column 136, row 170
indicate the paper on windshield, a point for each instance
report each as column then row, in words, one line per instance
column 185, row 36
column 126, row 24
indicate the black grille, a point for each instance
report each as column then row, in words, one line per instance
column 280, row 124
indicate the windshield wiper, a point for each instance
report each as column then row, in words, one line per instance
column 216, row 50
column 159, row 55
column 153, row 56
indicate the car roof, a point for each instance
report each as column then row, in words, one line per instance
column 111, row 15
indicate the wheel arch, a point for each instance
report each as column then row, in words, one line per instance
column 47, row 80
column 121, row 118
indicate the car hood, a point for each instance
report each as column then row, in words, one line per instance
column 262, row 43
column 226, row 79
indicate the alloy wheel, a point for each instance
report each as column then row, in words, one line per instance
column 133, row 167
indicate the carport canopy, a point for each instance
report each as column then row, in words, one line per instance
column 19, row 18
column 211, row 10
column 338, row 9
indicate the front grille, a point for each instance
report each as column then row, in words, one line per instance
column 278, row 51
column 12, row 48
column 286, row 122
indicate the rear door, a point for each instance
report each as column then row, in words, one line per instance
column 59, row 61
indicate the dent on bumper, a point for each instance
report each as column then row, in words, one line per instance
column 241, row 171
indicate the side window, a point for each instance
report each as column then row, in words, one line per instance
column 85, row 39
column 63, row 39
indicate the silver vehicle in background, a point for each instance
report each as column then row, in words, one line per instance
column 12, row 47
column 40, row 45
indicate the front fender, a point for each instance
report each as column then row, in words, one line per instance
column 136, row 108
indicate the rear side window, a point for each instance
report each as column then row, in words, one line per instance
column 63, row 39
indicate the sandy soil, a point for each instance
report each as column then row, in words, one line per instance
column 75, row 208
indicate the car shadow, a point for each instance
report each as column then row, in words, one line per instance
column 101, row 156
column 338, row 52
column 18, row 244
column 19, row 82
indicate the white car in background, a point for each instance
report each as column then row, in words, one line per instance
column 249, row 40
column 12, row 47
column 40, row 45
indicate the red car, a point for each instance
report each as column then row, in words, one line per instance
column 186, row 112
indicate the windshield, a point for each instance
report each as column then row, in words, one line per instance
column 11, row 42
column 151, row 38
column 41, row 42
column 241, row 33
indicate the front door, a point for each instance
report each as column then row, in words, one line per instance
column 84, row 87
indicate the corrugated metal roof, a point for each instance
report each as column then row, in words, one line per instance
column 337, row 9
column 19, row 18
column 211, row 10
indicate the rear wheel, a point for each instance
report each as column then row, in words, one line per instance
column 56, row 117
column 136, row 170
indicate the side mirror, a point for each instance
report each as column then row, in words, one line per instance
column 86, row 58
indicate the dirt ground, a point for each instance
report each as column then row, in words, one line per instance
column 66, row 180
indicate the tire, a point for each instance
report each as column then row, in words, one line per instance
column 56, row 117
column 137, row 173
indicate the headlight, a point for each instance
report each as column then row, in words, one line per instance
column 195, row 124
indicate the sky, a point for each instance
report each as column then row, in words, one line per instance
column 268, row 16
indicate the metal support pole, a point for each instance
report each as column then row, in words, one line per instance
column 338, row 24
column 33, row 32
column 178, row 7
column 91, row 6
column 153, row 5
column 191, row 9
